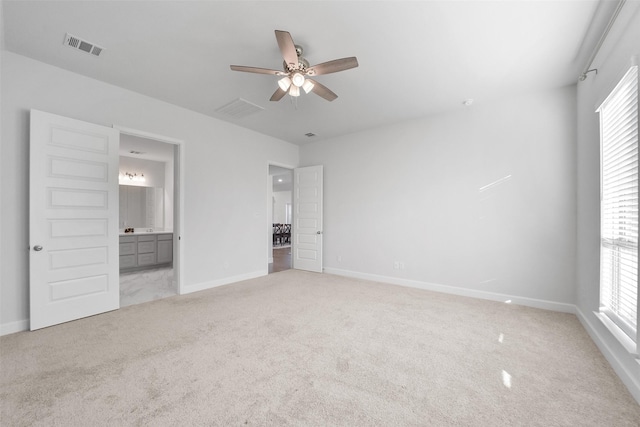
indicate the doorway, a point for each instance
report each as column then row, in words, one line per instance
column 149, row 226
column 74, row 256
column 280, row 213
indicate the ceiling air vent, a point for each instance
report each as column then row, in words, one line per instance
column 239, row 108
column 83, row 45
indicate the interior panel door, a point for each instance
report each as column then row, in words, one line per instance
column 73, row 219
column 307, row 218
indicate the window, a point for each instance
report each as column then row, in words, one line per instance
column 619, row 209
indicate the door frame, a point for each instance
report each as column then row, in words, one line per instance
column 178, row 205
column 269, row 216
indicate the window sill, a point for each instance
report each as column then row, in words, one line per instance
column 623, row 338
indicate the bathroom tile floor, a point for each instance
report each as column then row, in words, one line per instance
column 146, row 285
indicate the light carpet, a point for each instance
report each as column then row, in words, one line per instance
column 297, row 348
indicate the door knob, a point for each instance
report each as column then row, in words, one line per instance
column 318, row 232
column 37, row 248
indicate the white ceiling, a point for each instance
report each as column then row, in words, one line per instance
column 145, row 148
column 416, row 58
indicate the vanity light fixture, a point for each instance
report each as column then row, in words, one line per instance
column 132, row 177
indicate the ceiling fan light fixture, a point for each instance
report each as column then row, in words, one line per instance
column 294, row 90
column 307, row 86
column 284, row 83
column 297, row 79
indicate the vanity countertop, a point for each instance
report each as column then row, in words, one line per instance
column 143, row 231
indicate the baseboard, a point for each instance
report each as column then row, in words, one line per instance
column 631, row 380
column 23, row 325
column 13, row 327
column 473, row 293
column 224, row 281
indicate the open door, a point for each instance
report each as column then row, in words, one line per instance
column 73, row 220
column 307, row 219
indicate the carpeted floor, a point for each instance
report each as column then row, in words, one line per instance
column 297, row 348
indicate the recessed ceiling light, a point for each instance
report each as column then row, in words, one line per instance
column 279, row 179
column 310, row 134
column 467, row 102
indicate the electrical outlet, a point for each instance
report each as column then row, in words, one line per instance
column 401, row 265
column 226, row 264
column 339, row 258
column 396, row 265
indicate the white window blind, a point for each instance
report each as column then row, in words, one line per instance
column 619, row 205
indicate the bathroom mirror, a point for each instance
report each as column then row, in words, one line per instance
column 141, row 207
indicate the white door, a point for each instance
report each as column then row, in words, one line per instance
column 73, row 220
column 307, row 218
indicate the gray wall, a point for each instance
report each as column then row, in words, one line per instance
column 225, row 201
column 478, row 201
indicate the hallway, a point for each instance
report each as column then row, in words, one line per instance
column 281, row 260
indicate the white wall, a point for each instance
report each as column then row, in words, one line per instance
column 412, row 193
column 280, row 199
column 612, row 62
column 225, row 194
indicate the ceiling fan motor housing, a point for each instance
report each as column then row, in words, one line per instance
column 303, row 64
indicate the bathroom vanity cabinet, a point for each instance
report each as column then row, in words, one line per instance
column 145, row 250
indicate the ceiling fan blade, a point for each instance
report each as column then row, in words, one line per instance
column 277, row 95
column 287, row 48
column 323, row 91
column 257, row 70
column 333, row 66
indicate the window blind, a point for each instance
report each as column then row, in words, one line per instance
column 619, row 205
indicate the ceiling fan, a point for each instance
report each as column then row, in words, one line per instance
column 296, row 70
